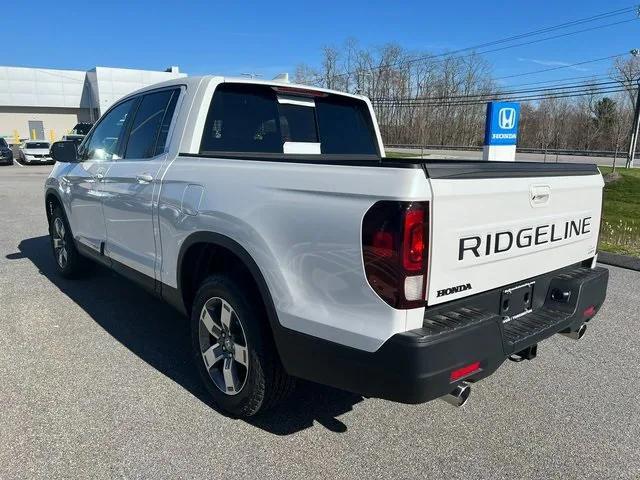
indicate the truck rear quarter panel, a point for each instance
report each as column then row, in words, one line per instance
column 301, row 224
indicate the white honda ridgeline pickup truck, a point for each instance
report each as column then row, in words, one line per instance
column 268, row 214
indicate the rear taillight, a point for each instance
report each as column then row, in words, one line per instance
column 395, row 250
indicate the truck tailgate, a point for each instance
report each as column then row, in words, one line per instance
column 496, row 225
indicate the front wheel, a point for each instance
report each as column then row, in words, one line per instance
column 233, row 348
column 68, row 261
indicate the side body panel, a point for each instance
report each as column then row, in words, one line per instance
column 302, row 226
column 79, row 186
column 128, row 199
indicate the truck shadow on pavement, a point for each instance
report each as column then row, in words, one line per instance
column 157, row 334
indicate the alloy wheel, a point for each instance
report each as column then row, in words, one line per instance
column 59, row 243
column 223, row 345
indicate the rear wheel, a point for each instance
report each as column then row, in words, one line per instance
column 68, row 261
column 233, row 348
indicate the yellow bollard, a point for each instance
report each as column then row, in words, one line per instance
column 16, row 137
column 52, row 135
column 33, row 134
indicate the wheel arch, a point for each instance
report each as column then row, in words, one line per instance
column 51, row 200
column 202, row 247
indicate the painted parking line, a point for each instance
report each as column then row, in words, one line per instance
column 15, row 162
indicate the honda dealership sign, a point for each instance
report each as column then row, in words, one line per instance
column 501, row 131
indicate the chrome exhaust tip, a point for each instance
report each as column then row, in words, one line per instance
column 459, row 395
column 578, row 334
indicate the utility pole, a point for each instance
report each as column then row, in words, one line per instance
column 633, row 141
column 635, row 127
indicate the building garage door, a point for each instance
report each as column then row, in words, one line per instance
column 36, row 130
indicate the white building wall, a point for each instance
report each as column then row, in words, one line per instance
column 41, row 87
column 114, row 83
column 61, row 98
column 56, row 121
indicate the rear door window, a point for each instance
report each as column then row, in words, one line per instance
column 150, row 124
column 242, row 118
column 258, row 119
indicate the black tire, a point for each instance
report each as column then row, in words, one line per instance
column 75, row 264
column 265, row 381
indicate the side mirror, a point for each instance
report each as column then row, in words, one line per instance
column 65, row 151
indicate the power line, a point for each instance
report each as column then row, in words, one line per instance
column 508, row 39
column 482, row 98
column 560, row 67
column 561, row 80
column 577, row 86
column 550, row 29
column 595, row 81
column 525, row 98
column 551, row 38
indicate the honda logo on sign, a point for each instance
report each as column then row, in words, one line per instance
column 507, row 118
column 501, row 127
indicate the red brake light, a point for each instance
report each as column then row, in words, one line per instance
column 413, row 248
column 300, row 91
column 464, row 371
column 394, row 247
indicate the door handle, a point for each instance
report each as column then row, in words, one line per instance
column 144, row 178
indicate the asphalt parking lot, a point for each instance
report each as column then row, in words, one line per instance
column 96, row 381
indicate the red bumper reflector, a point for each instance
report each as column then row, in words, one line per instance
column 589, row 312
column 464, row 371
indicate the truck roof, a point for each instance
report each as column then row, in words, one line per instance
column 196, row 80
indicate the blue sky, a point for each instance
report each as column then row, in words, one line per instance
column 271, row 37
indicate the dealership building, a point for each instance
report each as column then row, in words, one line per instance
column 45, row 104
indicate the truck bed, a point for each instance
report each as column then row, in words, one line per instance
column 443, row 168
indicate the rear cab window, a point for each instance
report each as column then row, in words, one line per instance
column 280, row 121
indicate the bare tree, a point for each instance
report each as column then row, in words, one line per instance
column 306, row 75
column 626, row 71
column 428, row 100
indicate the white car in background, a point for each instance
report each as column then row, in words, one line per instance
column 36, row 151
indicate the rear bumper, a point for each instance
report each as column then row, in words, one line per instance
column 416, row 366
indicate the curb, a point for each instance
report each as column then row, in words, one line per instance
column 618, row 260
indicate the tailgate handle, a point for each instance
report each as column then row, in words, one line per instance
column 540, row 195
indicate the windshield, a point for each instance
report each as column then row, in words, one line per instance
column 37, row 145
column 81, row 128
column 3, row 143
